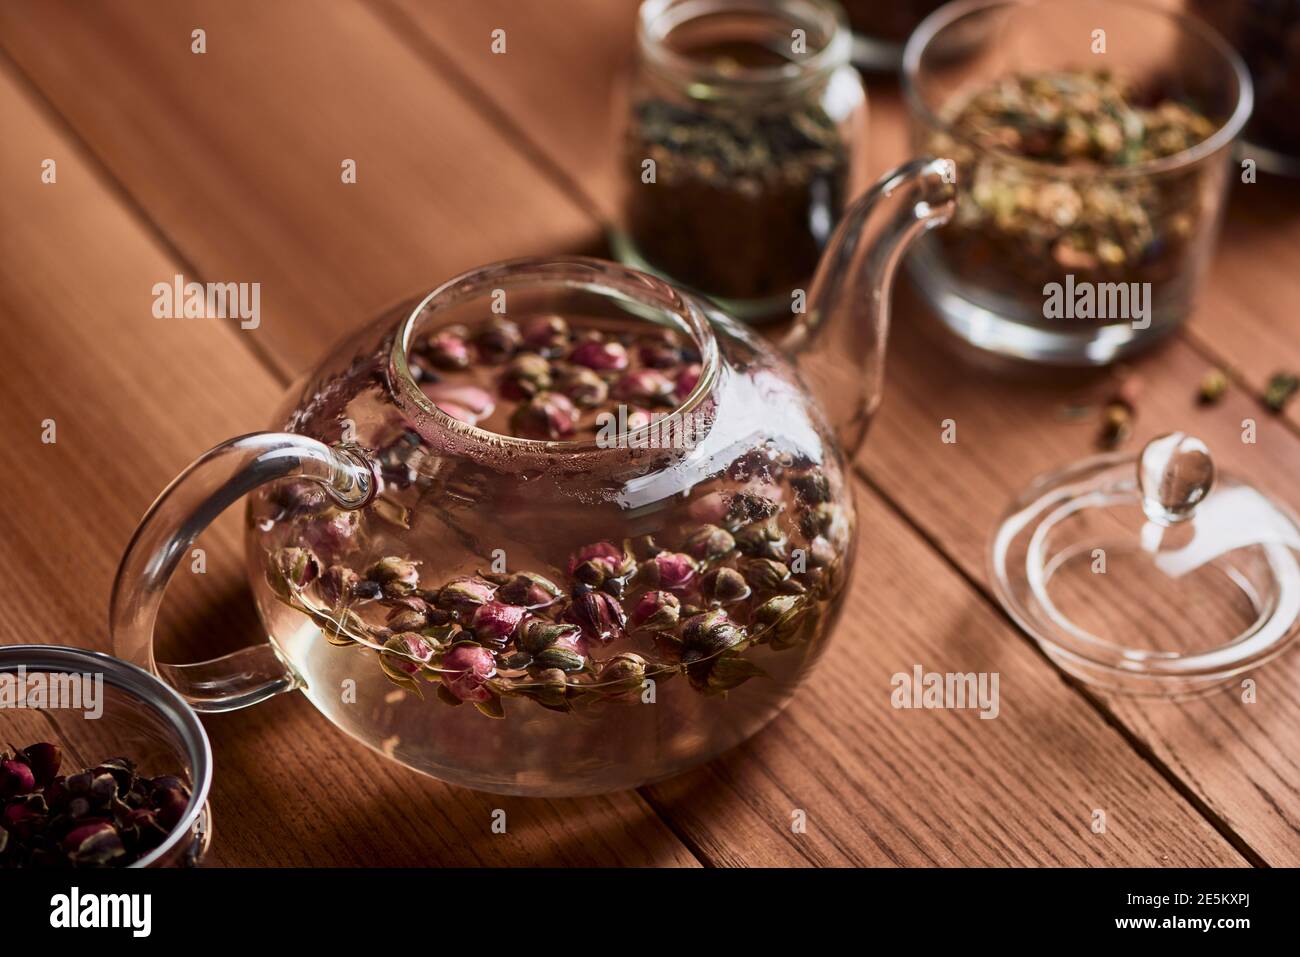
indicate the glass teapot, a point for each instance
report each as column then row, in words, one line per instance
column 555, row 528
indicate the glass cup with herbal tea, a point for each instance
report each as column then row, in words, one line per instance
column 101, row 765
column 555, row 528
column 743, row 144
column 1093, row 148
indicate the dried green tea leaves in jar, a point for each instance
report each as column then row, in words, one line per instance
column 741, row 202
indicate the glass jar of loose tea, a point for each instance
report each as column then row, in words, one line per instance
column 1092, row 146
column 745, row 123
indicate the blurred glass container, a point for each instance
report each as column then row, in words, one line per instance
column 881, row 29
column 142, row 719
column 1104, row 179
column 1267, row 35
column 744, row 140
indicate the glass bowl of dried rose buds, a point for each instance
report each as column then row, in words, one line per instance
column 1093, row 146
column 102, row 764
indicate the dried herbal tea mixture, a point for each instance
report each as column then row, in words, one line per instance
column 1020, row 226
column 102, row 816
column 1212, row 388
column 1281, row 387
column 745, row 195
column 552, row 379
column 752, row 564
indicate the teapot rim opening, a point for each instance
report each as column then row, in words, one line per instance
column 578, row 273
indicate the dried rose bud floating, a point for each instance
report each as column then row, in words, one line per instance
column 104, row 816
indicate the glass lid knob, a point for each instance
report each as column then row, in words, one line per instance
column 1175, row 473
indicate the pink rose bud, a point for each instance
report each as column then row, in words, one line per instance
column 549, row 416
column 409, row 652
column 657, row 610
column 16, row 814
column 496, row 621
column 547, row 334
column 643, row 385
column 335, row 536
column 15, row 778
column 465, row 668
column 44, row 760
column 573, row 641
column 528, row 589
column 525, row 376
column 687, row 380
column 95, row 843
column 171, row 804
column 599, row 614
column 468, row 403
column 660, row 352
column 672, row 570
column 583, row 386
column 608, row 556
column 447, row 349
column 465, row 594
column 498, row 340
column 600, row 356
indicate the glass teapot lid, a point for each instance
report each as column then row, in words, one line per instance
column 1151, row 573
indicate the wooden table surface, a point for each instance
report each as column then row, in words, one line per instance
column 225, row 166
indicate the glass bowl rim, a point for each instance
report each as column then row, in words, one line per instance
column 605, row 279
column 834, row 53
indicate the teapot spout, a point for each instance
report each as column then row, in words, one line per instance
column 839, row 340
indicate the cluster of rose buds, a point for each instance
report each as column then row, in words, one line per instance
column 103, row 816
column 756, row 573
column 546, row 379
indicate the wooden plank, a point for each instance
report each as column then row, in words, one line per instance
column 236, row 153
column 1241, row 760
column 880, row 786
column 725, row 831
column 1246, row 317
column 134, row 398
column 581, row 47
column 1255, row 787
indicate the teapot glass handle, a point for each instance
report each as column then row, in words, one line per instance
column 164, row 536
